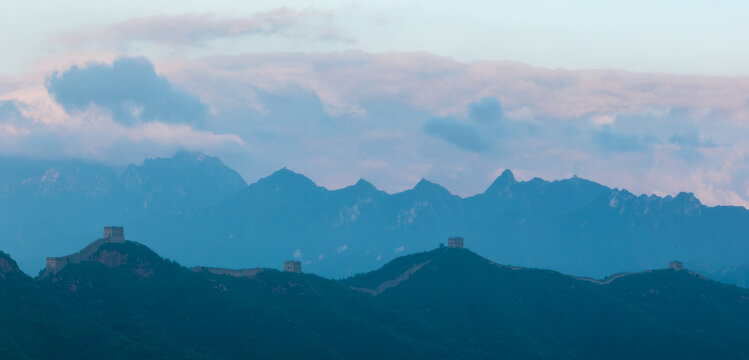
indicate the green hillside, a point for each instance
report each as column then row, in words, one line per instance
column 126, row 301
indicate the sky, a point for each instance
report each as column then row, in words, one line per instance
column 649, row 96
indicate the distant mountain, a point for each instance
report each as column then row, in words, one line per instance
column 124, row 300
column 201, row 212
column 48, row 206
column 729, row 274
column 185, row 181
column 574, row 225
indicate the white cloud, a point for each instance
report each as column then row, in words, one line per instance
column 441, row 85
column 338, row 117
column 603, row 119
column 197, row 29
column 342, row 248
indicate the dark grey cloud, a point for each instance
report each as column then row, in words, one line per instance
column 611, row 141
column 293, row 105
column 129, row 89
column 457, row 133
column 690, row 144
column 485, row 114
column 485, row 110
column 690, row 139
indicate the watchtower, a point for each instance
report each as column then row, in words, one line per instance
column 455, row 242
column 292, row 266
column 55, row 264
column 676, row 265
column 114, row 234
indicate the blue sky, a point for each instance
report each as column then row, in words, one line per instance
column 649, row 96
column 688, row 37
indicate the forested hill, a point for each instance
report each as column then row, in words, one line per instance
column 124, row 300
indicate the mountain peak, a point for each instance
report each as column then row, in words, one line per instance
column 186, row 180
column 502, row 182
column 426, row 185
column 365, row 186
column 191, row 156
column 364, row 183
column 286, row 178
column 426, row 189
column 362, row 188
column 285, row 173
column 183, row 158
column 687, row 197
column 507, row 176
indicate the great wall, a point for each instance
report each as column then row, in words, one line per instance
column 116, row 234
column 112, row 234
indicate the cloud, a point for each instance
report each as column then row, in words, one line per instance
column 12, row 121
column 348, row 81
column 690, row 139
column 342, row 248
column 690, row 145
column 94, row 135
column 485, row 110
column 485, row 113
column 457, row 133
column 9, row 111
column 612, row 141
column 129, row 89
column 197, row 29
column 386, row 117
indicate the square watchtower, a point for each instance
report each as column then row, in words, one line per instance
column 55, row 264
column 455, row 242
column 292, row 266
column 676, row 265
column 114, row 234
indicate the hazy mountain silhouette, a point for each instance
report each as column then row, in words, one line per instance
column 200, row 211
column 573, row 225
column 49, row 206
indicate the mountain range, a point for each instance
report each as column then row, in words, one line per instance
column 201, row 212
column 122, row 300
column 49, row 206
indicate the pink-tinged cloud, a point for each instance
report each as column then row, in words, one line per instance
column 342, row 116
column 348, row 80
column 93, row 134
column 196, row 29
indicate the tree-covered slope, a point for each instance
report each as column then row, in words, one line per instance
column 124, row 300
column 526, row 313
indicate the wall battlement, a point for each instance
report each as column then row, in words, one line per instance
column 112, row 234
column 55, row 264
